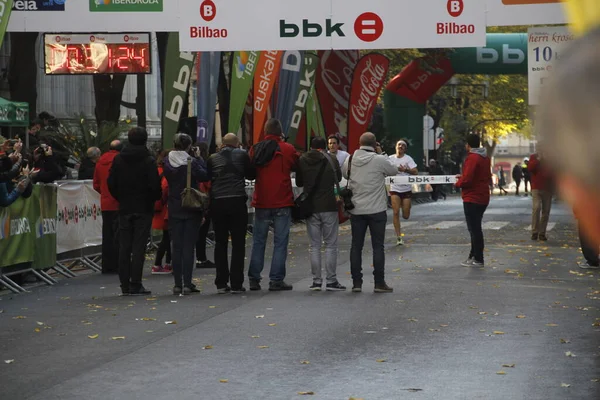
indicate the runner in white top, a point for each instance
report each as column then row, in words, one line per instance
column 333, row 143
column 401, row 194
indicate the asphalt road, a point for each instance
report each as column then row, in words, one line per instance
column 522, row 328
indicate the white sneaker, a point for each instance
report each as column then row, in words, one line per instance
column 467, row 263
column 399, row 241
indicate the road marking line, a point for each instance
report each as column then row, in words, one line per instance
column 403, row 224
column 551, row 226
column 494, row 225
column 444, row 225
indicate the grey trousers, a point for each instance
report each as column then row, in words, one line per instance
column 323, row 227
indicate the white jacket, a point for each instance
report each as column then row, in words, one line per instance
column 367, row 180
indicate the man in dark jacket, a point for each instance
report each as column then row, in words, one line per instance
column 88, row 165
column 228, row 170
column 133, row 181
column 475, row 182
column 273, row 199
column 323, row 224
column 110, row 210
column 517, row 175
column 47, row 165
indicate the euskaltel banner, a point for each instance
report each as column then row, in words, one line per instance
column 334, row 79
column 242, row 75
column 208, row 82
column 307, row 81
column 369, row 78
column 288, row 86
column 266, row 75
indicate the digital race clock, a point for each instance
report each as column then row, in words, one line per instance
column 97, row 53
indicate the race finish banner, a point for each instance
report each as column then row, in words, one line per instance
column 219, row 25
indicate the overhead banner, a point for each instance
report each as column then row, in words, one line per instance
column 288, row 86
column 178, row 71
column 334, row 80
column 525, row 12
column 307, row 82
column 212, row 25
column 264, row 83
column 545, row 46
column 370, row 76
column 208, row 82
column 242, row 75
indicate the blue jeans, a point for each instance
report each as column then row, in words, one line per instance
column 376, row 224
column 282, row 221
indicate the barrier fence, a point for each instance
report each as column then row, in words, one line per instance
column 60, row 226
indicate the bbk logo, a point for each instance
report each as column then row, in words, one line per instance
column 310, row 29
column 455, row 9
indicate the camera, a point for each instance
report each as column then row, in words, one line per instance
column 346, row 195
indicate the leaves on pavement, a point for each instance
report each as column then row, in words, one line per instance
column 93, row 336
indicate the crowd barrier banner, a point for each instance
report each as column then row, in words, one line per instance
column 28, row 229
column 79, row 216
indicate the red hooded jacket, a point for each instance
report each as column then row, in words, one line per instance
column 475, row 179
column 107, row 202
column 540, row 177
column 273, row 182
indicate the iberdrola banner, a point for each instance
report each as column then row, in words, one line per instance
column 369, row 77
column 178, row 71
column 17, row 232
column 307, row 82
column 5, row 11
column 208, row 82
column 45, row 209
column 242, row 75
column 264, row 83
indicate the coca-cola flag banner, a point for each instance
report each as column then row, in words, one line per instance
column 208, row 81
column 289, row 83
column 334, row 79
column 264, row 83
column 369, row 77
column 307, row 81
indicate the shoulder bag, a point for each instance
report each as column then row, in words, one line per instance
column 192, row 199
column 303, row 207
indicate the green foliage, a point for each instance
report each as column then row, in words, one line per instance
column 74, row 139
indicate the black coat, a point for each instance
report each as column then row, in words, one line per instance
column 228, row 171
column 86, row 169
column 306, row 176
column 133, row 181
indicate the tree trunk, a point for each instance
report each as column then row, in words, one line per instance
column 490, row 147
column 22, row 71
column 108, row 91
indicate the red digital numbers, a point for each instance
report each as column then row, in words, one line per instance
column 133, row 58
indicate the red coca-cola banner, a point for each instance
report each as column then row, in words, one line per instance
column 417, row 84
column 333, row 82
column 369, row 78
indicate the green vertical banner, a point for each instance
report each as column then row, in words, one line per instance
column 5, row 10
column 45, row 214
column 307, row 84
column 178, row 71
column 242, row 76
column 314, row 119
column 17, row 236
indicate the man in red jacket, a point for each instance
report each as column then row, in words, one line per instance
column 110, row 210
column 475, row 183
column 273, row 200
column 542, row 197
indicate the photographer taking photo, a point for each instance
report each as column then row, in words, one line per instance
column 10, row 160
column 45, row 165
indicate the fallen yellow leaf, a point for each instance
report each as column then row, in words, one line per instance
column 171, row 322
column 272, row 324
column 148, row 319
column 498, row 333
column 212, row 306
column 40, row 323
column 93, row 336
column 381, row 360
column 500, row 373
column 20, row 317
column 521, row 316
column 263, row 347
column 306, row 393
column 565, row 341
column 255, row 337
column 207, row 348
column 551, row 325
column 565, row 385
column 259, row 316
column 508, row 365
column 37, row 330
column 9, row 361
column 305, row 362
column 118, row 338
column 223, row 380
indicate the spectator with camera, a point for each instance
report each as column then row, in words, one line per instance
column 184, row 223
column 11, row 160
column 133, row 181
column 31, row 138
column 318, row 172
column 366, row 171
column 46, row 165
